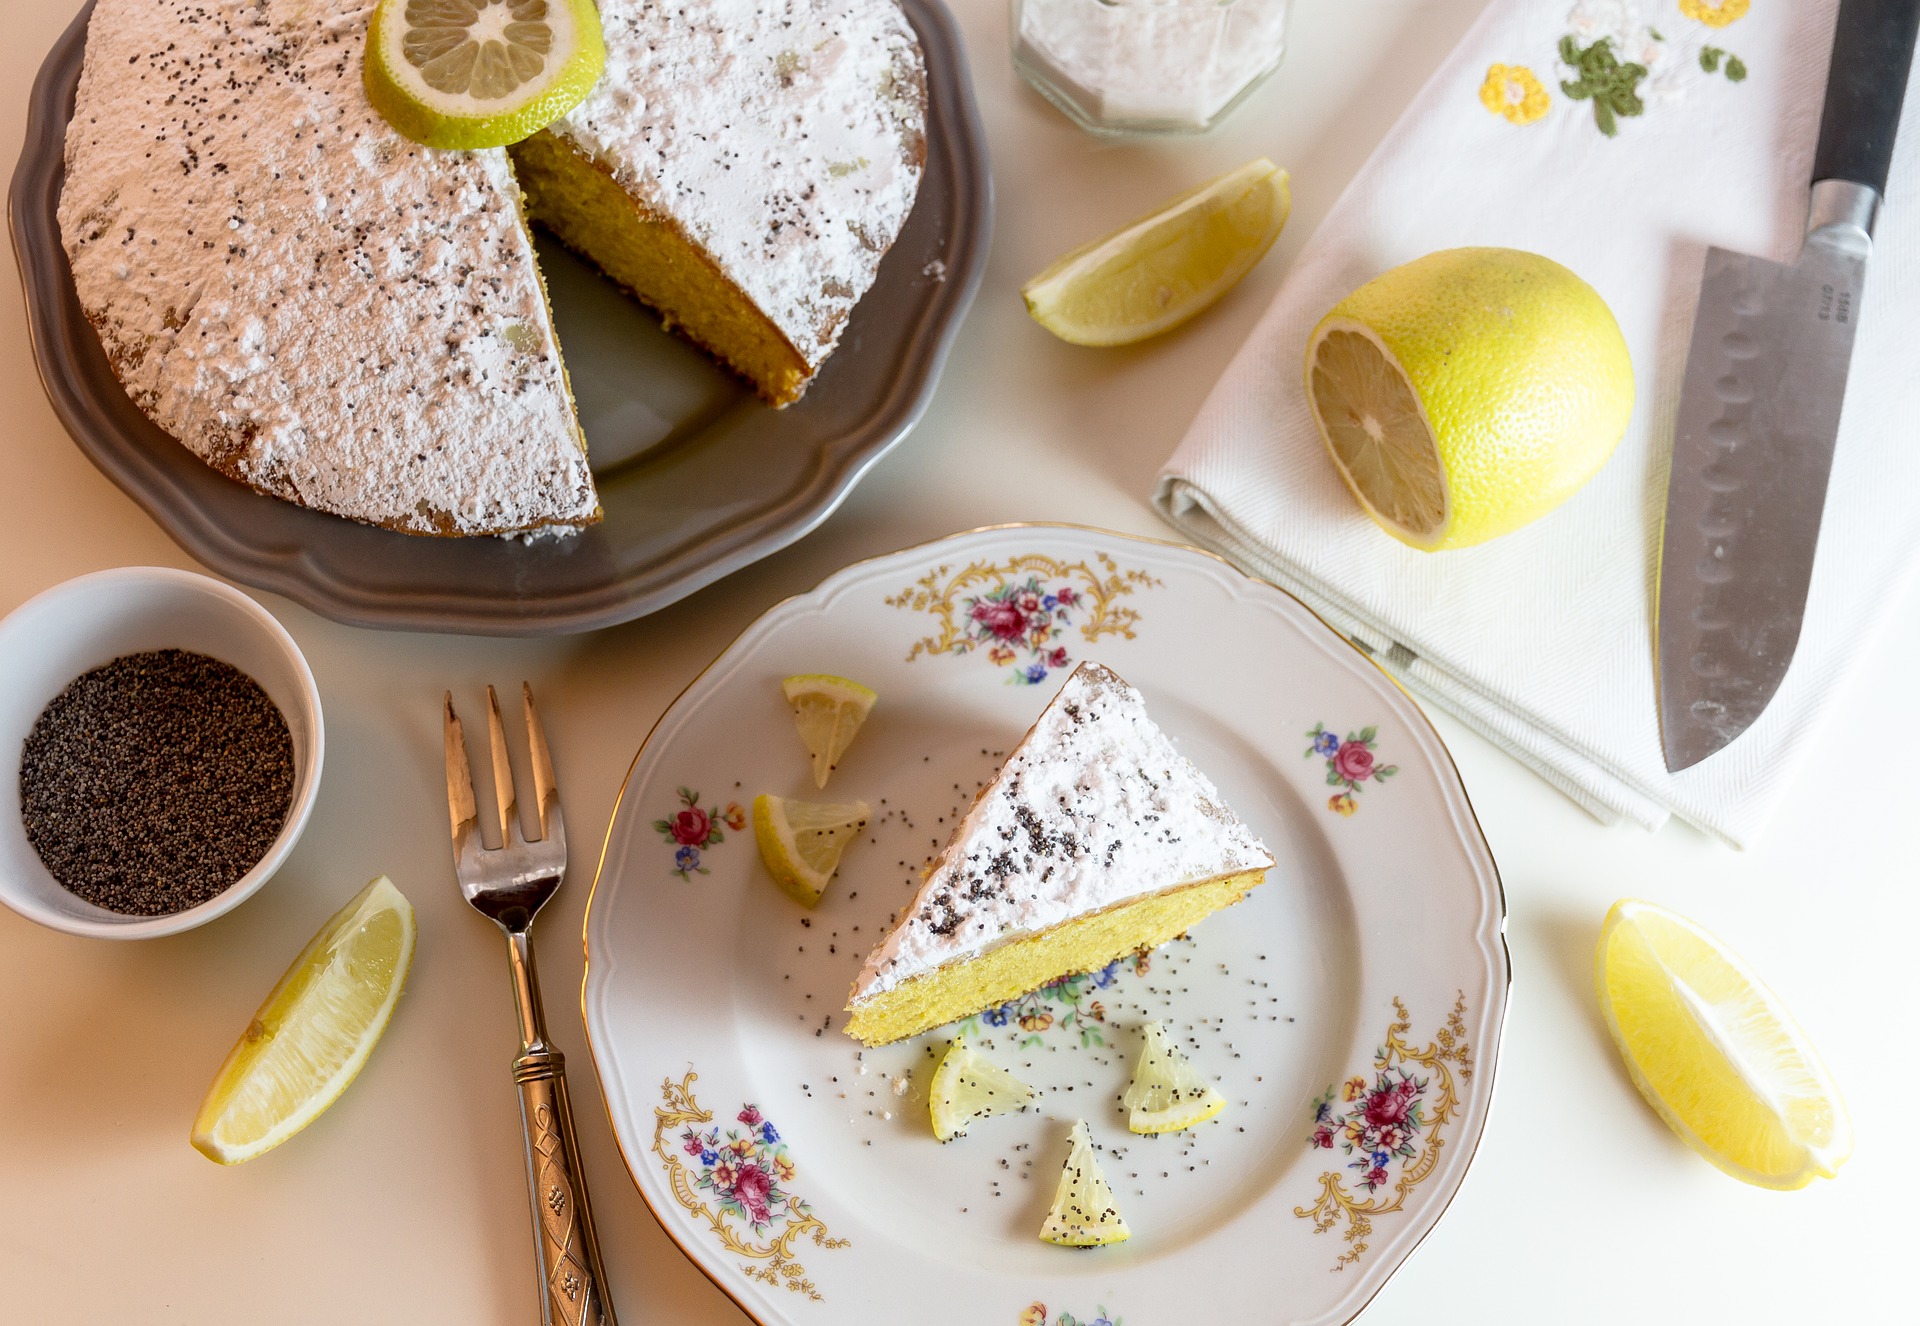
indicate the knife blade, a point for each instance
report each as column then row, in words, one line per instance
column 1760, row 410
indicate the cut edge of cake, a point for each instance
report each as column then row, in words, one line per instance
column 983, row 928
column 649, row 255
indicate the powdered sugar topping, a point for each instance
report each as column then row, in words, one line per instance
column 785, row 137
column 309, row 301
column 1094, row 809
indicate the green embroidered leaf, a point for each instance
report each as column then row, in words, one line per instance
column 1710, row 58
column 1569, row 50
column 1736, row 69
column 1603, row 117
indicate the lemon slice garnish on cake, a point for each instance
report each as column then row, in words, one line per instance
column 1468, row 392
column 828, row 711
column 1716, row 1053
column 801, row 841
column 315, row 1030
column 967, row 1086
column 1152, row 275
column 1167, row 1094
column 1084, row 1214
column 461, row 74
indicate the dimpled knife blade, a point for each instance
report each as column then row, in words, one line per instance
column 1759, row 408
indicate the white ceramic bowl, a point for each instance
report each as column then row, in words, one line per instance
column 75, row 627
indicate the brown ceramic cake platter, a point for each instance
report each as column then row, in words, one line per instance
column 697, row 478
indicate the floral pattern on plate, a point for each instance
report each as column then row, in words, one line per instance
column 746, row 1169
column 1392, row 1123
column 1022, row 610
column 1036, row 1315
column 1064, row 1005
column 1349, row 763
column 691, row 830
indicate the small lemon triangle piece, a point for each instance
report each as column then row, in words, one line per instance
column 968, row 1086
column 828, row 711
column 801, row 842
column 1084, row 1213
column 1168, row 1094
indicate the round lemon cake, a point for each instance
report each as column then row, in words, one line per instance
column 332, row 314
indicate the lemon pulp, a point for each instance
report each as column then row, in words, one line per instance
column 315, row 1030
column 1084, row 1214
column 1167, row 1094
column 1716, row 1053
column 1152, row 275
column 828, row 711
column 967, row 1086
column 801, row 842
column 1468, row 392
column 463, row 74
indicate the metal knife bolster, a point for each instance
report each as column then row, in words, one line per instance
column 1843, row 213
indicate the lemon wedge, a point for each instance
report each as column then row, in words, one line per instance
column 1167, row 1094
column 828, row 710
column 801, row 841
column 967, row 1086
column 1468, row 392
column 1084, row 1214
column 1715, row 1052
column 314, row 1032
column 462, row 74
column 1153, row 275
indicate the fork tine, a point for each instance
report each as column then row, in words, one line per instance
column 544, row 790
column 459, row 775
column 503, row 795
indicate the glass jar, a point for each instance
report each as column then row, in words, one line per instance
column 1147, row 66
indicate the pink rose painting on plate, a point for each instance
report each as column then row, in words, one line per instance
column 1350, row 763
column 744, row 1170
column 691, row 830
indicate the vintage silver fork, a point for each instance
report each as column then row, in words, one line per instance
column 508, row 885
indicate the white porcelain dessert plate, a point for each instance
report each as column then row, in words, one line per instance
column 1350, row 1010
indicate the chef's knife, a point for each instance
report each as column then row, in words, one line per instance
column 1759, row 406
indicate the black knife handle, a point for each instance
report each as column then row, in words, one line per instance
column 1866, row 81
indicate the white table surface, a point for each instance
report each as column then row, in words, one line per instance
column 406, row 1202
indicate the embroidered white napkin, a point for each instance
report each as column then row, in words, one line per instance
column 1543, row 640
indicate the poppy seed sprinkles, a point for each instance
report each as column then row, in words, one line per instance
column 153, row 783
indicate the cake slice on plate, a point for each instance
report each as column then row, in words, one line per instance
column 1095, row 839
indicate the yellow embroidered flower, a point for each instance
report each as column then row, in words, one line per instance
column 1715, row 13
column 1513, row 91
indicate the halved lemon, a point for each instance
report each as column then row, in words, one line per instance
column 1468, row 392
column 828, row 710
column 967, row 1086
column 1167, row 1094
column 1152, row 275
column 1084, row 1214
column 801, row 841
column 461, row 74
column 315, row 1030
column 1716, row 1053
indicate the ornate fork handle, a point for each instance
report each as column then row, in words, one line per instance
column 572, row 1285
